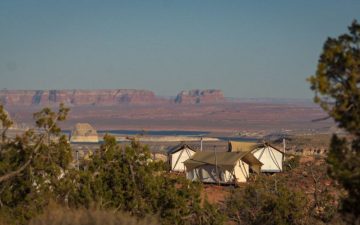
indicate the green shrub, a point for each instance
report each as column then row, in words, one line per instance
column 291, row 162
column 266, row 202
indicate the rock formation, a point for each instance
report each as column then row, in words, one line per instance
column 84, row 132
column 106, row 97
column 200, row 96
column 76, row 97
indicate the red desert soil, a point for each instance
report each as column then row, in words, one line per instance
column 215, row 194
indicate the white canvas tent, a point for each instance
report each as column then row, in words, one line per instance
column 271, row 157
column 221, row 167
column 178, row 155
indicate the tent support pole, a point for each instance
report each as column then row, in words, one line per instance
column 216, row 167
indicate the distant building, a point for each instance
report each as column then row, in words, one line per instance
column 271, row 157
column 84, row 133
column 178, row 155
column 221, row 167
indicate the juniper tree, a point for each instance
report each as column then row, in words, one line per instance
column 337, row 90
column 32, row 168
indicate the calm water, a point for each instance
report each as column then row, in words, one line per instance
column 156, row 133
column 246, row 139
column 167, row 133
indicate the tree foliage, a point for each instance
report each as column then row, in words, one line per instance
column 267, row 201
column 32, row 168
column 337, row 79
column 337, row 88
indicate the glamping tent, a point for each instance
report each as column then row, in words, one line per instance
column 178, row 155
column 221, row 167
column 271, row 157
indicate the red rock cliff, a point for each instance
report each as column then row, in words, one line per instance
column 76, row 97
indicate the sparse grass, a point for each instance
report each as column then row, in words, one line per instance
column 62, row 216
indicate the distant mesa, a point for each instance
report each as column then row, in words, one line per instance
column 84, row 132
column 104, row 97
column 76, row 97
column 200, row 96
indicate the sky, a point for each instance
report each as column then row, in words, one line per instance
column 248, row 49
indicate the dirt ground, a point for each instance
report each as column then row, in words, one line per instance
column 216, row 194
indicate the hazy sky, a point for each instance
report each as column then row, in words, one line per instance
column 246, row 48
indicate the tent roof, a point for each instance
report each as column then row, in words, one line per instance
column 242, row 146
column 178, row 148
column 276, row 148
column 226, row 160
column 239, row 146
column 251, row 160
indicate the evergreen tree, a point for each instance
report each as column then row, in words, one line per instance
column 337, row 87
column 33, row 166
